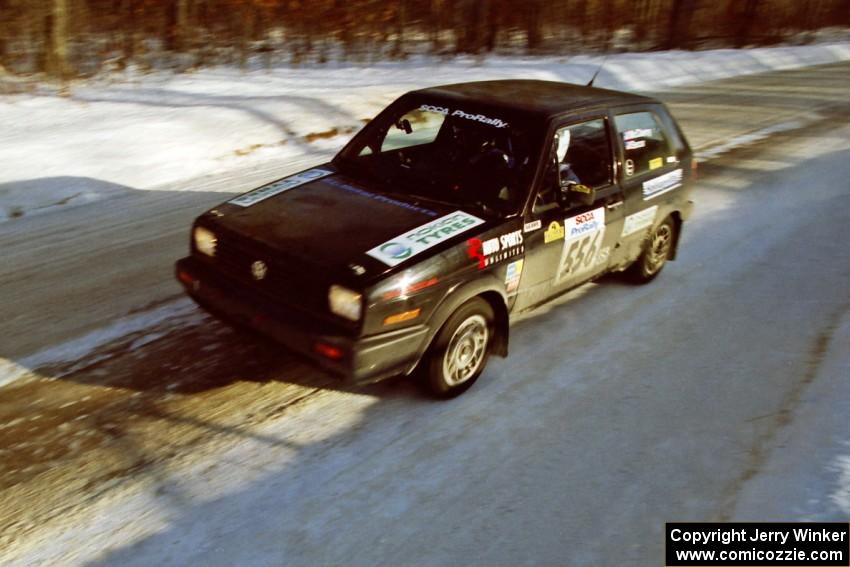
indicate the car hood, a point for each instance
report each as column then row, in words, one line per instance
column 327, row 219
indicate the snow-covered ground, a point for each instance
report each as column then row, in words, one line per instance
column 143, row 131
column 507, row 487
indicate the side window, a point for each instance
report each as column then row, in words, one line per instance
column 646, row 145
column 579, row 153
column 415, row 128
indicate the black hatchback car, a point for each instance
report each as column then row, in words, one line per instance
column 455, row 207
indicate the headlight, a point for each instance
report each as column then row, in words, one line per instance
column 205, row 241
column 345, row 303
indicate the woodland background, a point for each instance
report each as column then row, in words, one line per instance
column 73, row 38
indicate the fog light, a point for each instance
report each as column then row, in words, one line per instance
column 328, row 351
column 185, row 277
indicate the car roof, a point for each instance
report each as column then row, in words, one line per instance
column 546, row 98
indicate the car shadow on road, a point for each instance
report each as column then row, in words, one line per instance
column 146, row 375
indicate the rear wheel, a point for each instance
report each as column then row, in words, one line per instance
column 655, row 253
column 460, row 350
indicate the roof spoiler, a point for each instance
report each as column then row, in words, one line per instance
column 593, row 78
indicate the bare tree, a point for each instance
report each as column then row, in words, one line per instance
column 747, row 19
column 679, row 23
column 57, row 64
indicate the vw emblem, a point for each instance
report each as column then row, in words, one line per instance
column 259, row 270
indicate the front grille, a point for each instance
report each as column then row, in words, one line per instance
column 287, row 284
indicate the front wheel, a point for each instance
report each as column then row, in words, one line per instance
column 655, row 253
column 460, row 350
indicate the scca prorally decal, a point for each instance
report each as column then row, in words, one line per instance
column 582, row 244
column 497, row 122
column 493, row 250
column 428, row 235
column 662, row 184
column 639, row 220
column 279, row 186
column 513, row 273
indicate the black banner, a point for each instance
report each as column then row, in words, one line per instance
column 821, row 544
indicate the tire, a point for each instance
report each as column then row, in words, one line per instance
column 460, row 350
column 655, row 253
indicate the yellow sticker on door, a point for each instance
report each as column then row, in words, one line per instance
column 553, row 233
column 656, row 163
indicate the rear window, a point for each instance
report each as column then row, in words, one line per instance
column 646, row 144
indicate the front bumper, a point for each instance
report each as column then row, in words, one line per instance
column 355, row 358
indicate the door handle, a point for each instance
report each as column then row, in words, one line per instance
column 614, row 206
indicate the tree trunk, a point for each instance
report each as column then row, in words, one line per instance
column 747, row 21
column 178, row 23
column 534, row 34
column 399, row 49
column 679, row 23
column 57, row 31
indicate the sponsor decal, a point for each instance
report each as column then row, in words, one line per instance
column 432, row 108
column 582, row 244
column 635, row 144
column 655, row 163
column 639, row 220
column 337, row 182
column 473, row 250
column 498, row 123
column 630, row 167
column 285, row 184
column 553, row 233
column 662, row 184
column 357, row 269
column 512, row 276
column 419, row 239
column 493, row 250
column 671, row 159
column 532, row 226
column 637, row 133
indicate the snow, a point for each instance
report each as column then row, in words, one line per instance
column 737, row 141
column 143, row 131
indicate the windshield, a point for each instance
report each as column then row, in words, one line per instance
column 441, row 152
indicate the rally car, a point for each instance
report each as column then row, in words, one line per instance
column 455, row 207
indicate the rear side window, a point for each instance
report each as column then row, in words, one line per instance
column 646, row 145
column 586, row 151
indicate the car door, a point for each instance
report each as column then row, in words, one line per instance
column 570, row 241
column 652, row 170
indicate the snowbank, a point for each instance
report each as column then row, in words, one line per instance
column 144, row 131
